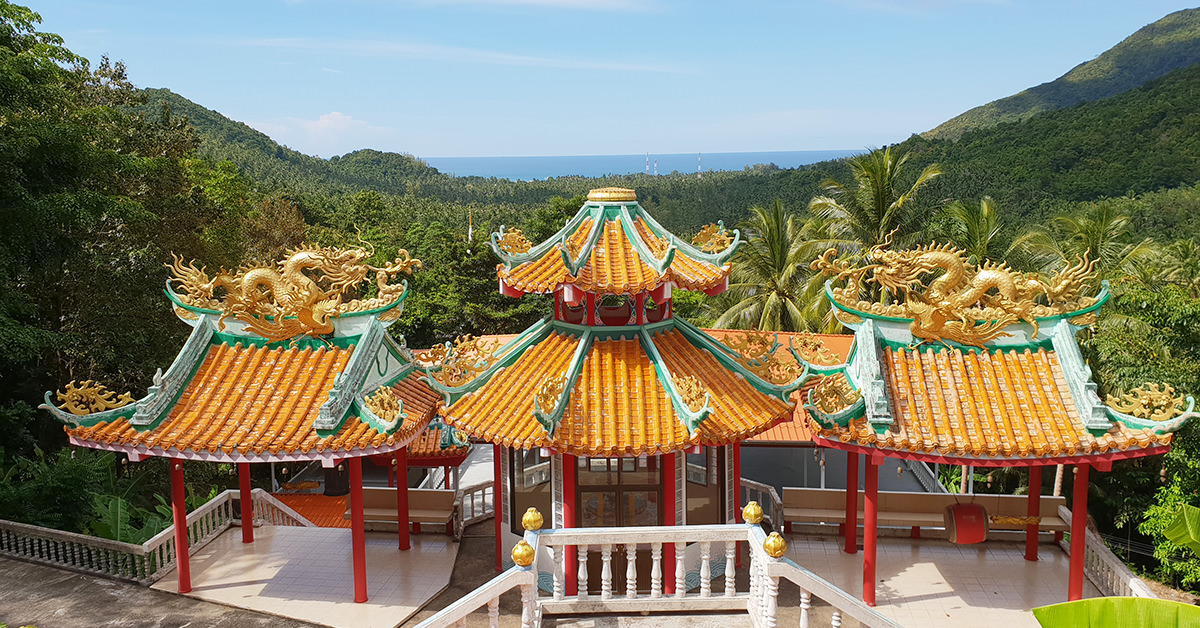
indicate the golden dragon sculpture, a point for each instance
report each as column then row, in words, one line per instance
column 949, row 298
column 299, row 295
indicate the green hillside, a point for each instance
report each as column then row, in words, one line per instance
column 277, row 167
column 1154, row 50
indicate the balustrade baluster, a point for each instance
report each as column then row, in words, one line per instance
column 557, row 552
column 582, row 573
column 494, row 613
column 730, row 568
column 606, row 572
column 656, row 582
column 837, row 619
column 705, row 569
column 462, row 623
column 680, row 574
column 805, row 604
column 772, row 599
column 631, row 570
column 526, row 606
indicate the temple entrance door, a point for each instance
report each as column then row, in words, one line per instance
column 619, row 492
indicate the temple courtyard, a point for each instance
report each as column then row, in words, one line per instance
column 305, row 574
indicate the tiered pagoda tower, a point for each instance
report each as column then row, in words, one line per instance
column 594, row 409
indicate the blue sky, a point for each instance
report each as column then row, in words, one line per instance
column 569, row 77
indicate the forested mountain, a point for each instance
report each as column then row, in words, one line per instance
column 1154, row 50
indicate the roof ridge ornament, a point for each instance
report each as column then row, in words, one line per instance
column 947, row 298
column 612, row 194
column 283, row 300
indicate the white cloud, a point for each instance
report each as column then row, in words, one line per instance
column 334, row 133
column 460, row 54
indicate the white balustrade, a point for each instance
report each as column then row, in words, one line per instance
column 477, row 502
column 1103, row 568
column 656, row 581
column 582, row 573
column 705, row 569
column 631, row 571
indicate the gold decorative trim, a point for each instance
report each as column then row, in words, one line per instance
column 514, row 242
column 458, row 364
column 756, row 352
column 713, row 238
column 949, row 298
column 298, row 295
column 834, row 394
column 385, row 404
column 612, row 194
column 813, row 350
column 549, row 392
column 88, row 397
column 185, row 313
column 1012, row 520
column 690, row 390
column 1150, row 401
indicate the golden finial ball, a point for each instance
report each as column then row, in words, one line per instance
column 522, row 554
column 775, row 545
column 532, row 519
column 752, row 513
column 612, row 194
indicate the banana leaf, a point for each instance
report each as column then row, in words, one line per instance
column 1114, row 612
column 1184, row 529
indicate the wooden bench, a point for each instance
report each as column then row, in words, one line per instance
column 915, row 510
column 425, row 505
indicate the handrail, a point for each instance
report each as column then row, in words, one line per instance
column 474, row 504
column 269, row 510
column 489, row 594
column 765, row 573
column 1105, row 569
column 920, row 470
column 767, row 497
column 144, row 564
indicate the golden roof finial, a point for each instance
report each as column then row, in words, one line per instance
column 612, row 194
column 1149, row 401
column 87, row 397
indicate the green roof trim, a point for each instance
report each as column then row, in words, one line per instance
column 512, row 351
column 551, row 419
column 725, row 356
column 691, row 418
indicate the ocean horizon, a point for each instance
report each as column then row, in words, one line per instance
column 538, row 168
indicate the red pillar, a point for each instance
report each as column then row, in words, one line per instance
column 1078, row 533
column 498, row 510
column 590, row 300
column 179, row 519
column 870, row 517
column 402, row 498
column 670, row 475
column 737, row 496
column 850, row 528
column 1034, row 510
column 640, row 304
column 247, row 504
column 570, row 557
column 358, row 537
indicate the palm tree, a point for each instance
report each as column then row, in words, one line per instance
column 976, row 229
column 868, row 213
column 1183, row 265
column 771, row 287
column 1102, row 232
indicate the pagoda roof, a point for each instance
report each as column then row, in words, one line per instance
column 621, row 391
column 437, row 445
column 612, row 246
column 339, row 386
column 970, row 369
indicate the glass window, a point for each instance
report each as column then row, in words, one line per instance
column 529, row 485
column 620, row 491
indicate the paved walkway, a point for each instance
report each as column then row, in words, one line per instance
column 53, row 598
column 308, row 573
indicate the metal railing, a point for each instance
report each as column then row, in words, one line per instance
column 928, row 479
column 1103, row 568
column 759, row 601
column 144, row 563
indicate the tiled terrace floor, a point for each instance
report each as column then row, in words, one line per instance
column 306, row 573
column 938, row 584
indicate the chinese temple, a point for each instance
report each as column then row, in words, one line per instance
column 611, row 411
column 283, row 364
column 960, row 364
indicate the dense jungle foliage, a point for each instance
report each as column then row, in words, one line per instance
column 102, row 182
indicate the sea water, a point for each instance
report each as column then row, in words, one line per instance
column 530, row 168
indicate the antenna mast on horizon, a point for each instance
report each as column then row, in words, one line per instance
column 699, row 170
column 647, row 163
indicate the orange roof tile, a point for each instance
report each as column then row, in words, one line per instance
column 618, row 406
column 614, row 266
column 322, row 510
column 257, row 401
column 990, row 404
